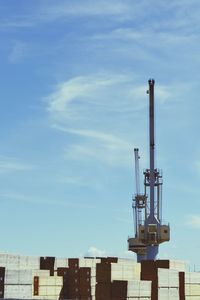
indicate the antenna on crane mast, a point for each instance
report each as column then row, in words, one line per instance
column 149, row 230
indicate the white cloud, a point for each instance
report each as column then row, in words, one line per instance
column 9, row 164
column 174, row 13
column 105, row 92
column 95, row 252
column 88, row 8
column 193, row 221
column 95, row 89
column 102, row 137
column 99, row 146
column 49, row 12
column 105, row 153
column 77, row 105
column 38, row 200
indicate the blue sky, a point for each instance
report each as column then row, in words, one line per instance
column 73, row 107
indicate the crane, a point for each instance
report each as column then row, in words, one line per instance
column 147, row 206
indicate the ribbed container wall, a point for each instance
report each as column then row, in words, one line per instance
column 168, row 294
column 168, row 278
column 18, row 277
column 61, row 263
column 140, row 289
column 180, row 266
column 192, row 285
column 191, row 298
column 49, row 287
column 18, row 291
column 125, row 271
column 19, row 262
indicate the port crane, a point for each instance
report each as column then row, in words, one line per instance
column 147, row 206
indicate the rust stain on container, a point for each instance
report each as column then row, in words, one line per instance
column 2, row 280
column 182, row 285
column 36, row 286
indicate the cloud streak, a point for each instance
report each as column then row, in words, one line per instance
column 86, row 106
column 48, row 12
column 100, row 147
column 106, row 91
column 8, row 165
column 37, row 200
column 193, row 221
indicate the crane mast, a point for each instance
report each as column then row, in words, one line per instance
column 149, row 230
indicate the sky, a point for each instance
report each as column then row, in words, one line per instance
column 73, row 106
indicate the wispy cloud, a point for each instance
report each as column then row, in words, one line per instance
column 193, row 221
column 49, row 12
column 108, row 91
column 93, row 251
column 9, row 164
column 88, row 8
column 41, row 200
column 77, row 104
column 95, row 135
column 118, row 10
column 90, row 89
column 79, row 181
column 97, row 145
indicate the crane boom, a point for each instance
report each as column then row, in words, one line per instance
column 149, row 230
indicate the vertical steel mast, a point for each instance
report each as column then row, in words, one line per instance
column 149, row 231
column 152, row 147
column 152, row 221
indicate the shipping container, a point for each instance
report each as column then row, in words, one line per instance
column 168, row 278
column 168, row 294
column 139, row 288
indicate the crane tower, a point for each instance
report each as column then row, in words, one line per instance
column 147, row 206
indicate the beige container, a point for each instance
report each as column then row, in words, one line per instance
column 192, row 290
column 168, row 294
column 51, row 281
column 168, row 278
column 192, row 278
column 126, row 272
column 139, row 288
column 18, row 277
column 18, row 291
column 178, row 265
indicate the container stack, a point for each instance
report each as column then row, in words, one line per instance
column 90, row 263
column 18, row 282
column 46, row 286
column 107, row 287
column 139, row 290
column 23, row 277
column 168, row 284
column 15, row 262
column 103, row 278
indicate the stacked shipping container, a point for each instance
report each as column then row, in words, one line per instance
column 52, row 278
